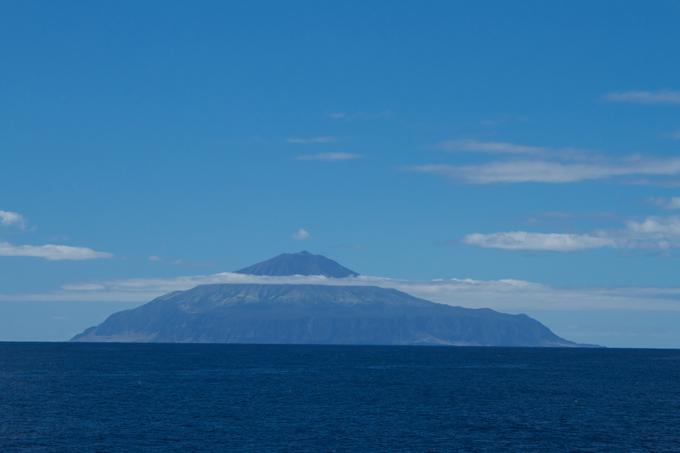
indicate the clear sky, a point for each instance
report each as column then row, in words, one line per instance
column 528, row 150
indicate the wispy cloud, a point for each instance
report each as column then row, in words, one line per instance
column 653, row 232
column 10, row 218
column 567, row 218
column 52, row 252
column 339, row 115
column 671, row 203
column 310, row 140
column 549, row 171
column 330, row 156
column 645, row 97
column 179, row 261
column 664, row 227
column 522, row 240
column 301, row 235
column 490, row 147
column 510, row 295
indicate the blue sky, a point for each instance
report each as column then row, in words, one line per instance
column 532, row 142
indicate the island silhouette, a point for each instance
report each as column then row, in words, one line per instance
column 337, row 313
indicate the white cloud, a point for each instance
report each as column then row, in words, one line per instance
column 645, row 97
column 517, row 172
column 84, row 287
column 175, row 261
column 522, row 240
column 509, row 295
column 52, row 252
column 649, row 233
column 667, row 203
column 310, row 140
column 329, row 156
column 547, row 171
column 489, row 147
column 301, row 235
column 664, row 226
column 360, row 115
column 9, row 218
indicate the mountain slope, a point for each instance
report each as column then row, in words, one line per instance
column 302, row 263
column 315, row 314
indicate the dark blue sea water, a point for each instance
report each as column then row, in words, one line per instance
column 84, row 397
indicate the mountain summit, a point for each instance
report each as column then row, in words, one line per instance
column 301, row 263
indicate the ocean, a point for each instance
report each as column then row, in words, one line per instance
column 188, row 397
